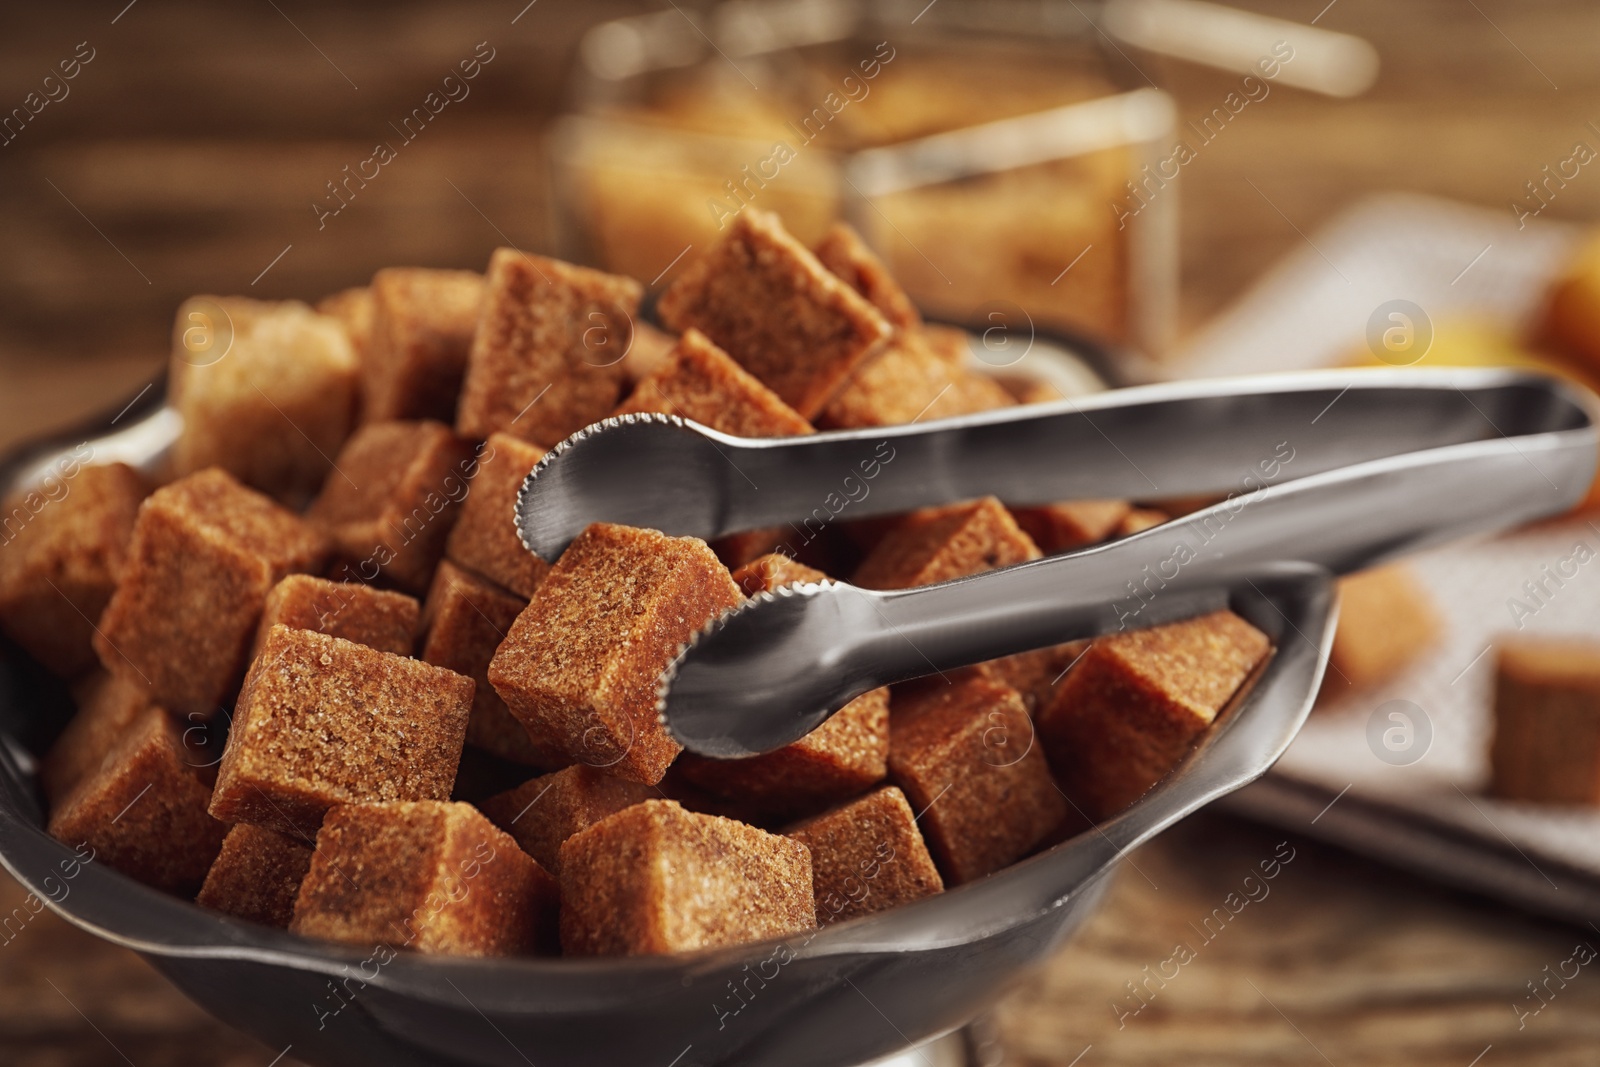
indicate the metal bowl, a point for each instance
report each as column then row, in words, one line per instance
column 844, row 995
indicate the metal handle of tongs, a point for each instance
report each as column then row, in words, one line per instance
column 1335, row 472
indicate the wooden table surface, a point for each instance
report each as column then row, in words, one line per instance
column 184, row 159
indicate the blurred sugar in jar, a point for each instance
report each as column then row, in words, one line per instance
column 982, row 150
column 1003, row 158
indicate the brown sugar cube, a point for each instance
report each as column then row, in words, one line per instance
column 964, row 754
column 431, row 876
column 422, row 327
column 654, row 878
column 839, row 759
column 866, row 856
column 485, row 537
column 547, row 359
column 951, row 344
column 1546, row 745
column 783, row 316
column 1072, row 524
column 391, row 499
column 972, row 391
column 906, row 382
column 938, row 544
column 735, row 550
column 466, row 619
column 1138, row 520
column 62, row 548
column 674, row 786
column 543, row 812
column 1571, row 317
column 267, row 391
column 323, row 721
column 353, row 308
column 1138, row 701
column 143, row 810
column 1385, row 622
column 1033, row 674
column 844, row 253
column 1032, row 390
column 650, row 351
column 824, row 546
column 828, row 551
column 866, row 534
column 701, row 382
column 373, row 617
column 256, row 876
column 581, row 665
column 766, row 573
column 919, row 376
column 108, row 706
column 205, row 553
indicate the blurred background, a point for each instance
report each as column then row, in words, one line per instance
column 210, row 148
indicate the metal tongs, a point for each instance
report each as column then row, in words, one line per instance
column 1329, row 472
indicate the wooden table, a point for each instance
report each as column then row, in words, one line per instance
column 184, row 161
